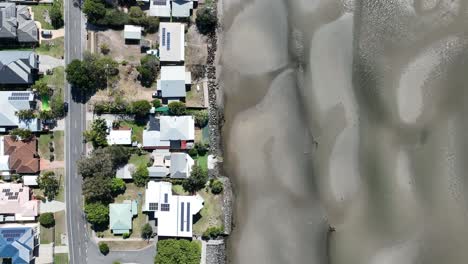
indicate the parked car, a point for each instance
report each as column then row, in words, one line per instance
column 47, row 33
column 65, row 107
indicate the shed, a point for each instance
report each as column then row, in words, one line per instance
column 132, row 32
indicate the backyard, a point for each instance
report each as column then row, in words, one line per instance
column 139, row 160
column 137, row 129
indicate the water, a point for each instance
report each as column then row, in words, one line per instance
column 348, row 114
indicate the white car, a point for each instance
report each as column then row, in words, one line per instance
column 154, row 52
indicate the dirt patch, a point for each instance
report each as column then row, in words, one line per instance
column 196, row 51
column 127, row 245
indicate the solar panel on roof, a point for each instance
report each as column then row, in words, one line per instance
column 159, row 2
column 182, row 217
column 163, row 37
column 168, row 40
column 165, row 207
column 188, row 217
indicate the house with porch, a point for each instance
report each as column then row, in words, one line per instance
column 121, row 216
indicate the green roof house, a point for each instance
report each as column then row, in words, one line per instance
column 121, row 215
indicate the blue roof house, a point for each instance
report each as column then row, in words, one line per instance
column 17, row 244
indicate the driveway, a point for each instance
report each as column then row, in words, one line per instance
column 49, row 62
column 51, row 207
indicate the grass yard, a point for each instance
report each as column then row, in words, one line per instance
column 179, row 190
column 47, row 235
column 39, row 11
column 53, row 47
column 61, row 258
column 211, row 214
column 137, row 133
column 60, row 226
column 202, row 161
column 139, row 160
column 127, row 245
column 56, row 80
column 44, row 140
column 60, row 176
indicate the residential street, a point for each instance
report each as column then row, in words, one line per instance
column 75, row 124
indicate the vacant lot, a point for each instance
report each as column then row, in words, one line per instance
column 211, row 214
column 53, row 47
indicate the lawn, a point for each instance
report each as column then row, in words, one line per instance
column 179, row 190
column 139, row 160
column 56, row 80
column 44, row 140
column 202, row 161
column 137, row 133
column 59, row 172
column 60, row 226
column 127, row 245
column 61, row 258
column 211, row 214
column 38, row 11
column 47, row 235
column 53, row 47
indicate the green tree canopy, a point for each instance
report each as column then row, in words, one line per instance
column 103, row 248
column 42, row 88
column 99, row 162
column 156, row 103
column 98, row 133
column 56, row 14
column 146, row 231
column 206, row 20
column 94, row 10
column 201, row 118
column 140, row 108
column 97, row 189
column 148, row 70
column 177, row 108
column 197, row 180
column 117, row 186
column 172, row 251
column 97, row 214
column 47, row 219
column 49, row 184
column 27, row 114
column 141, row 176
column 23, row 134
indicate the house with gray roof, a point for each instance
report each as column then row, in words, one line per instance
column 176, row 8
column 16, row 25
column 173, row 84
column 18, row 243
column 12, row 102
column 18, row 68
column 178, row 130
column 181, row 165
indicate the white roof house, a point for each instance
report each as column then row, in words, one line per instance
column 132, row 32
column 30, row 180
column 173, row 81
column 181, row 8
column 13, row 101
column 119, row 137
column 177, row 128
column 171, row 42
column 160, row 8
column 174, row 212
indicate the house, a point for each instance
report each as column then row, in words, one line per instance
column 174, row 213
column 171, row 43
column 182, row 8
column 178, row 130
column 121, row 215
column 18, row 156
column 160, row 8
column 18, row 243
column 132, row 34
column 152, row 135
column 119, row 137
column 16, row 203
column 16, row 25
column 175, row 165
column 173, row 84
column 12, row 102
column 18, row 68
column 30, row 180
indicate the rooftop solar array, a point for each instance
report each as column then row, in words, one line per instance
column 182, row 216
column 18, row 96
column 163, row 36
column 11, row 195
column 11, row 235
column 159, row 2
column 168, row 40
column 165, row 207
column 153, row 206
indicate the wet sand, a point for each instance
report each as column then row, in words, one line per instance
column 349, row 114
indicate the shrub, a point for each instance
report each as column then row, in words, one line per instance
column 148, row 70
column 216, row 187
column 177, row 108
column 125, row 235
column 104, row 248
column 140, row 108
column 97, row 214
column 56, row 14
column 105, row 49
column 146, row 231
column 201, row 118
column 212, row 232
column 49, row 184
column 47, row 220
column 178, row 251
column 156, row 103
column 193, row 152
column 141, row 176
column 117, row 186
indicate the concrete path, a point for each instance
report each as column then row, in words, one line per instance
column 205, row 92
column 60, row 125
column 51, row 207
column 203, row 252
column 46, row 254
column 61, row 249
column 48, row 63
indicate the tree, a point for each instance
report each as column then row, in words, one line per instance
column 196, row 181
column 117, row 186
column 49, row 184
column 140, row 108
column 141, row 176
column 97, row 189
column 206, row 20
column 201, row 148
column 56, row 14
column 26, row 114
column 56, row 106
column 152, row 24
column 136, row 15
column 97, row 214
column 148, row 69
column 172, row 251
column 146, row 231
column 46, row 115
column 94, row 10
column 23, row 134
column 216, row 187
column 212, row 232
column 47, row 220
column 119, row 155
column 42, row 88
column 177, row 108
column 97, row 163
column 105, row 49
column 114, row 18
column 201, row 118
column 104, row 248
column 98, row 133
column 156, row 103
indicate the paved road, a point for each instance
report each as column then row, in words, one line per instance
column 74, row 126
column 144, row 256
